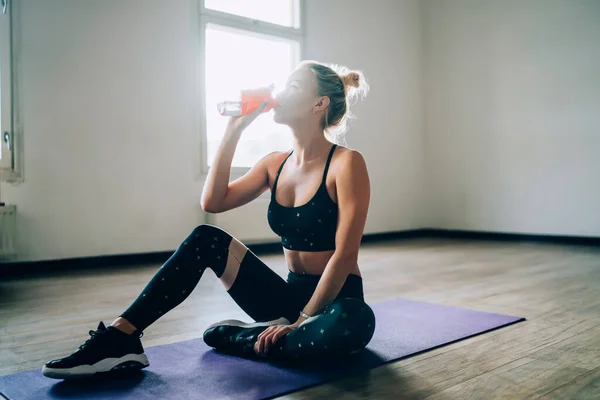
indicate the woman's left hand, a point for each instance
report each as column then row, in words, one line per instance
column 271, row 335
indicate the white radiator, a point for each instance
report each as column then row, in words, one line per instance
column 8, row 230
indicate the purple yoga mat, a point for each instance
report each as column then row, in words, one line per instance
column 192, row 370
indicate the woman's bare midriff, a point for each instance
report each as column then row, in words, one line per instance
column 311, row 263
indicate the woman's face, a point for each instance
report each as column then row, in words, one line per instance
column 297, row 99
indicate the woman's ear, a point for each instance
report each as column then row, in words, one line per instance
column 322, row 104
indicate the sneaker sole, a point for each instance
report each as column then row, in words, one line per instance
column 241, row 324
column 127, row 362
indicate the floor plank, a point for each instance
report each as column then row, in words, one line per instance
column 584, row 387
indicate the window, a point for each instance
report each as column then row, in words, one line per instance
column 6, row 132
column 246, row 44
column 281, row 12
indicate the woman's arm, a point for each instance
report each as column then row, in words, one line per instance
column 217, row 180
column 214, row 196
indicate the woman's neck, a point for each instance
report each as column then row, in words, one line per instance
column 310, row 145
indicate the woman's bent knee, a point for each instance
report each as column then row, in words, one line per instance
column 207, row 230
column 357, row 320
column 210, row 235
column 351, row 307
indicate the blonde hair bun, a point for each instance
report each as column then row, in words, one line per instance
column 351, row 79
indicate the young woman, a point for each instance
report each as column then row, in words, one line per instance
column 320, row 194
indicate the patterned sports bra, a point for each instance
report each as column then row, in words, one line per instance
column 309, row 227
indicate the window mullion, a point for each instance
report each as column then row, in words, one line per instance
column 248, row 24
column 6, row 128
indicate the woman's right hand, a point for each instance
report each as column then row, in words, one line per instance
column 238, row 123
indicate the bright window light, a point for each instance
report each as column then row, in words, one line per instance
column 236, row 59
column 280, row 12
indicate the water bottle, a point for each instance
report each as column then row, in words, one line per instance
column 250, row 101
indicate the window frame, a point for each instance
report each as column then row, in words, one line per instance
column 14, row 172
column 222, row 19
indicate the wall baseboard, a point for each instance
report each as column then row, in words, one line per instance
column 510, row 236
column 32, row 268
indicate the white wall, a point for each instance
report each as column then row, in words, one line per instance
column 513, row 115
column 110, row 125
column 107, row 100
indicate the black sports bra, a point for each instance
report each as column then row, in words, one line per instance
column 309, row 227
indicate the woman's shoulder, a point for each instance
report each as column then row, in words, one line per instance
column 347, row 156
column 273, row 161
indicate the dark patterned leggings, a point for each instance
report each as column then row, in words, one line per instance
column 345, row 326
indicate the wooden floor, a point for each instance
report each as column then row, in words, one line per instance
column 554, row 354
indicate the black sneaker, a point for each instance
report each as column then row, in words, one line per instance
column 236, row 337
column 107, row 350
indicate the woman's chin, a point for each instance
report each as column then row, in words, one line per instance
column 278, row 119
